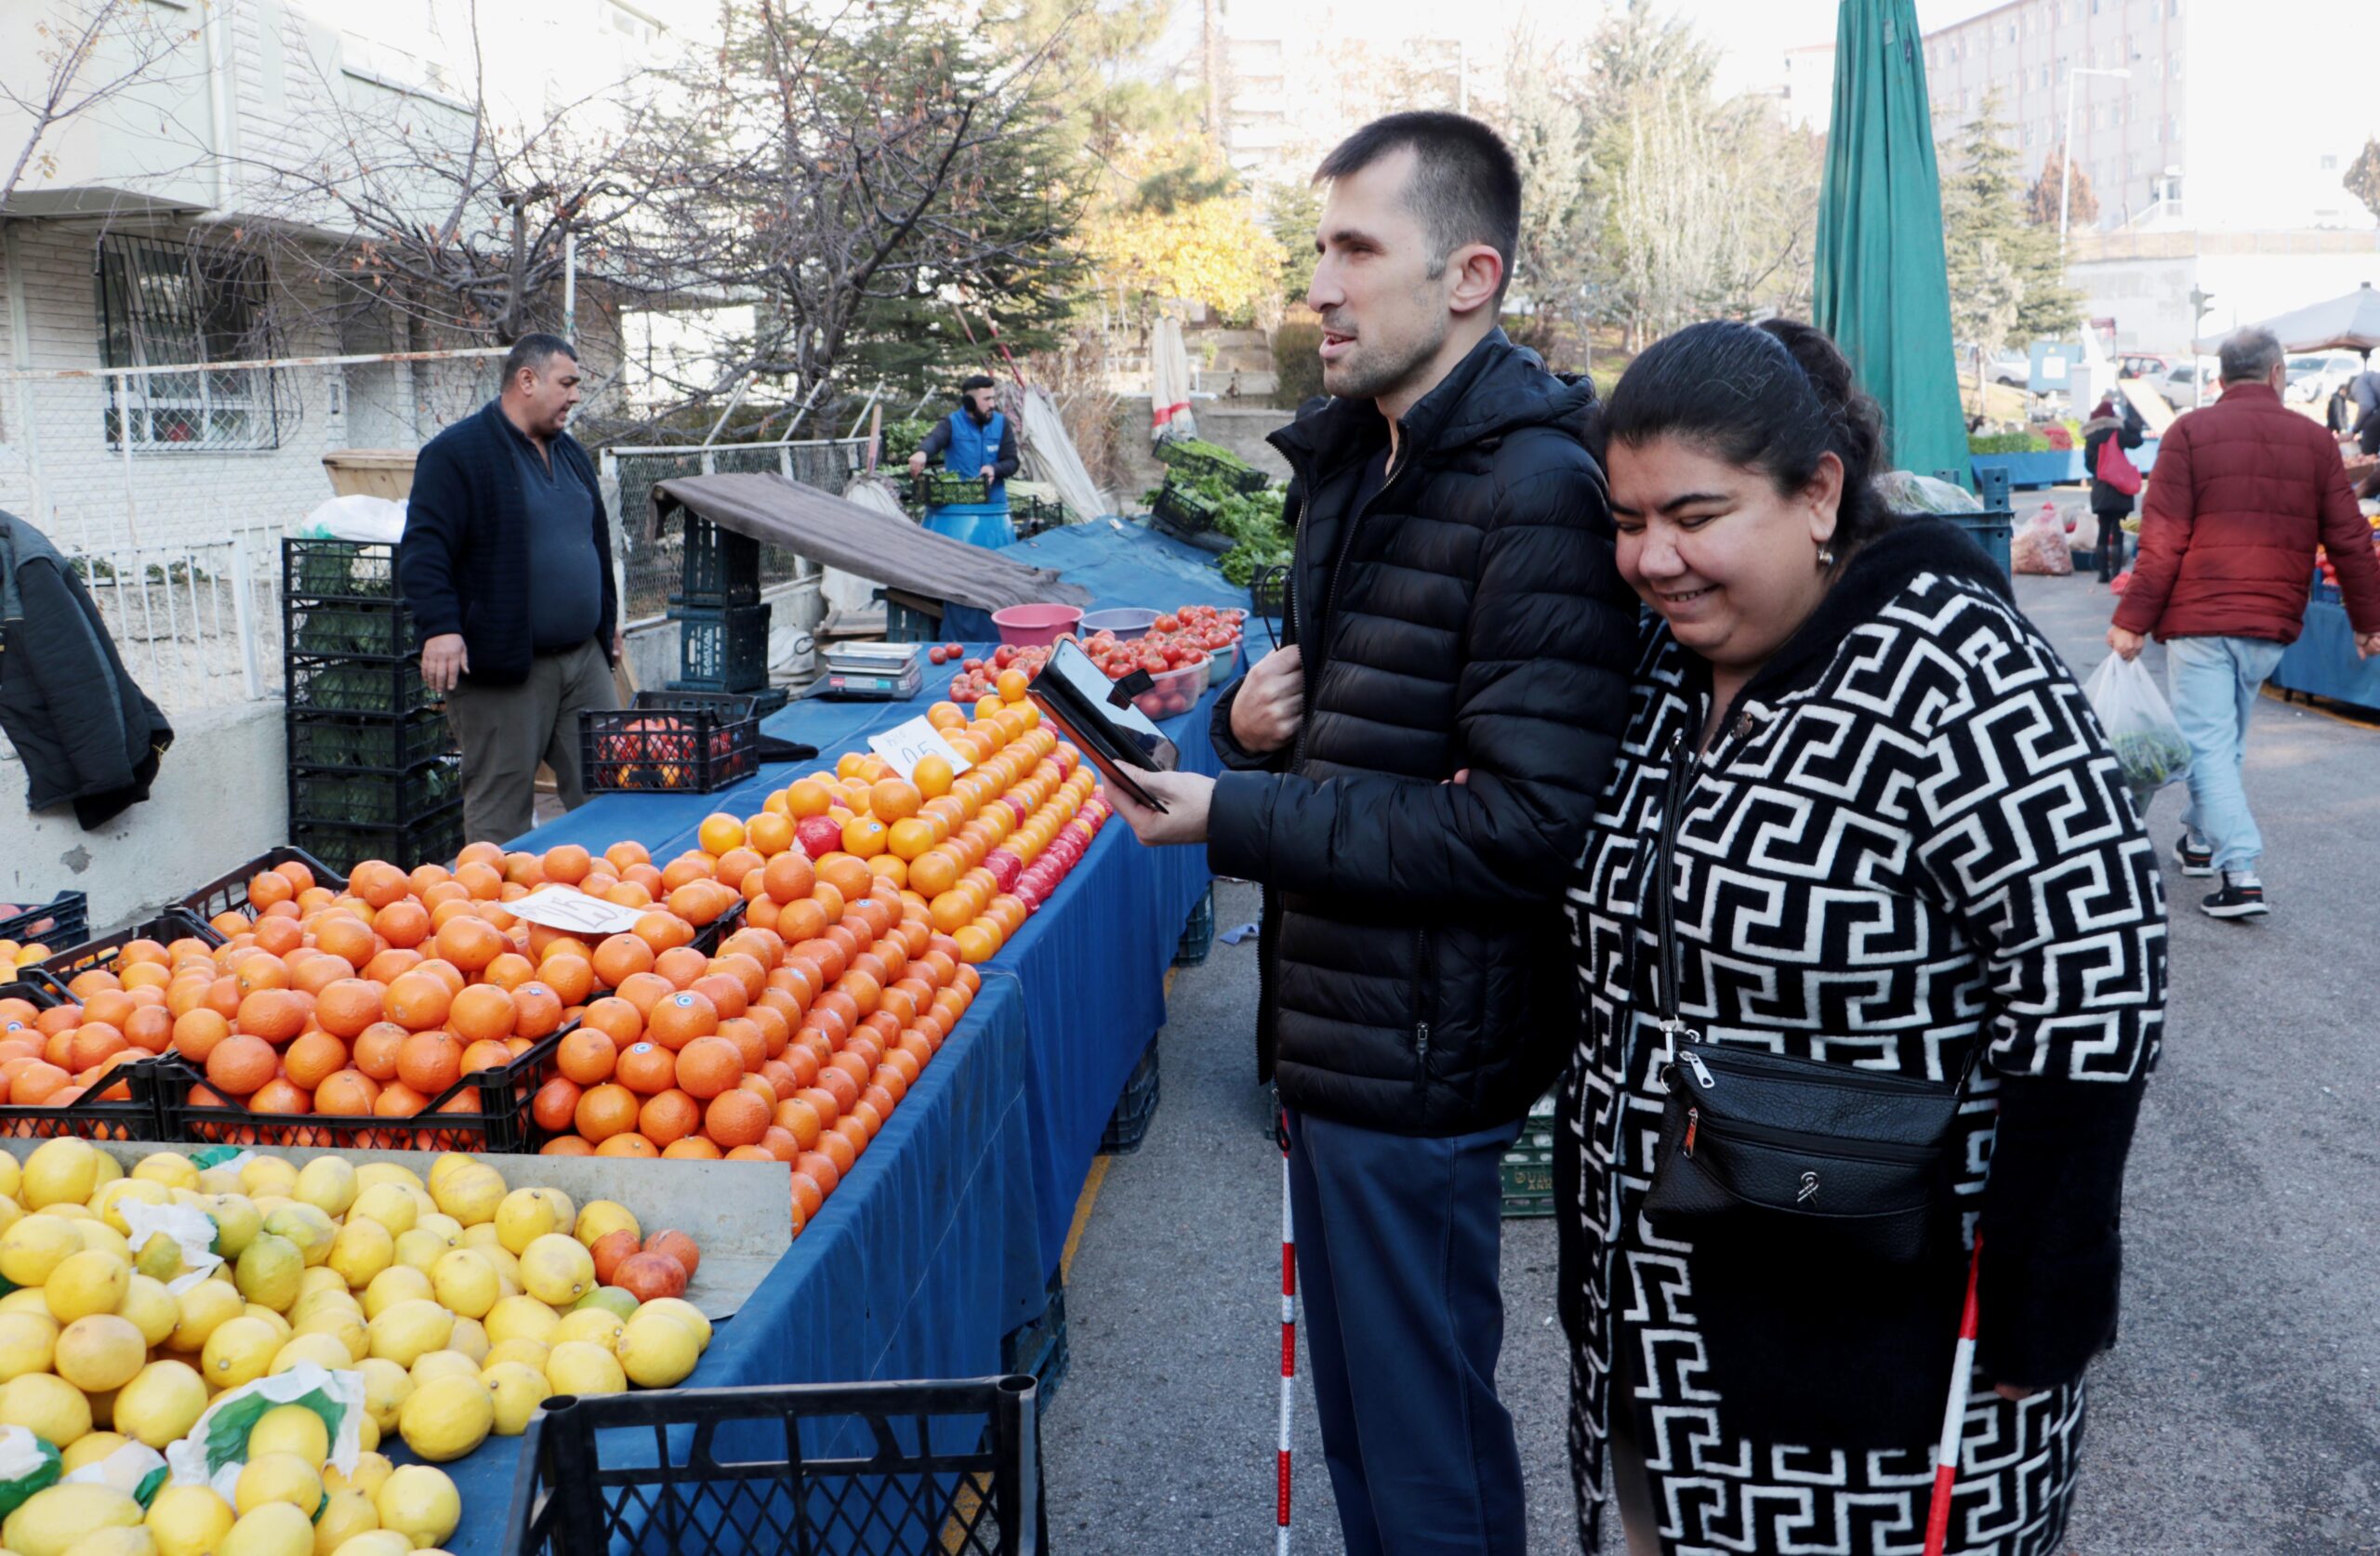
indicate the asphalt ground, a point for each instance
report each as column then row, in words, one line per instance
column 2239, row 1414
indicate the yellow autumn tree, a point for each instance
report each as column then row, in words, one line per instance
column 1213, row 251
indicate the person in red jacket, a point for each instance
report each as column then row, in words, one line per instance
column 2242, row 493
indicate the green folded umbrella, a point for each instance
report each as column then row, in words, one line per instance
column 1880, row 288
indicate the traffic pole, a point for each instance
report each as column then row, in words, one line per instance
column 1289, row 1348
column 1954, row 1418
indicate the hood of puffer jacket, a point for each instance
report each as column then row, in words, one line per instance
column 1496, row 389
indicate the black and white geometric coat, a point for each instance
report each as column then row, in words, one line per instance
column 1909, row 838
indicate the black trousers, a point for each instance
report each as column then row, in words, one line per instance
column 2112, row 538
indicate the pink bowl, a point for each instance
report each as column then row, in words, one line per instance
column 1036, row 626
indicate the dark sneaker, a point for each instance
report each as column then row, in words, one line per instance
column 2197, row 859
column 2236, row 900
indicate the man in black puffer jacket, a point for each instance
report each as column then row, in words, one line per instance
column 1412, row 780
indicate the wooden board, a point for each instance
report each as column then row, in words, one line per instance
column 2149, row 403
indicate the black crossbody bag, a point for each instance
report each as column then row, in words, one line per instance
column 1843, row 1160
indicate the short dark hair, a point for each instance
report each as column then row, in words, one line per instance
column 1776, row 397
column 975, row 381
column 532, row 351
column 1466, row 188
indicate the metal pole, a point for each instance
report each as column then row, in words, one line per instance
column 243, row 617
column 2066, row 160
column 124, row 429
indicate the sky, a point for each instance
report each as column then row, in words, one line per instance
column 1755, row 33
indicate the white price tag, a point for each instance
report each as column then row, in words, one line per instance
column 561, row 907
column 905, row 745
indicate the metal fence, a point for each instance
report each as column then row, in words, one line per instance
column 653, row 566
column 197, row 625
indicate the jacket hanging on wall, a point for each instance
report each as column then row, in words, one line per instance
column 84, row 731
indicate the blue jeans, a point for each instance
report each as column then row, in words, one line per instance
column 1397, row 1245
column 2214, row 682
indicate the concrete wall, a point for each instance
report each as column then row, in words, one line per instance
column 219, row 801
column 1240, row 430
column 2149, row 297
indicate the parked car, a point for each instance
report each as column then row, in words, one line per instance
column 2315, row 377
column 2175, row 386
column 2143, row 364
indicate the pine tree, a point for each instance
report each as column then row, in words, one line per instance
column 2007, row 279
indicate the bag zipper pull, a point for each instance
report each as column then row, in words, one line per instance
column 1693, row 1121
column 1695, row 1061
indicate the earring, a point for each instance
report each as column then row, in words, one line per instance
column 1826, row 556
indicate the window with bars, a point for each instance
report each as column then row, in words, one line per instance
column 164, row 304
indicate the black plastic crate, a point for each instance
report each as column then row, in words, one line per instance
column 65, row 919
column 1129, row 1125
column 61, row 970
column 1528, row 1166
column 721, row 650
column 1184, row 507
column 908, row 619
column 1192, row 459
column 718, row 568
column 795, row 1470
column 937, row 488
column 339, row 628
column 346, row 684
column 345, row 797
column 1199, row 932
column 1039, row 1349
column 129, row 1114
column 328, row 570
column 229, row 892
column 669, row 742
column 435, row 839
column 377, row 743
column 487, row 1111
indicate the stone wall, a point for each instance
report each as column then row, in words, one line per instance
column 1242, row 429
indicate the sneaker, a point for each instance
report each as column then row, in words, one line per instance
column 2198, row 860
column 2242, row 897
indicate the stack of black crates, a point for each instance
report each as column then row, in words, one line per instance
column 722, row 626
column 373, row 773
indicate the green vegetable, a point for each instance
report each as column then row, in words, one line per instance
column 2150, row 760
column 1254, row 520
column 1201, row 461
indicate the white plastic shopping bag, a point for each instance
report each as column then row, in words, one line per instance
column 2141, row 728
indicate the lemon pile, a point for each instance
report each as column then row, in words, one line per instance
column 464, row 1304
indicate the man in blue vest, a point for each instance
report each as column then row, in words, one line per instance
column 975, row 440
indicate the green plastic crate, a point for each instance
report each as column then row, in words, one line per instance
column 1528, row 1166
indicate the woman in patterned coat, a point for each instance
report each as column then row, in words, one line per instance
column 1902, row 836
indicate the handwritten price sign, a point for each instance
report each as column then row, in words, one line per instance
column 905, row 745
column 559, row 907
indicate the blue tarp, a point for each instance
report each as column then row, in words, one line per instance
column 2322, row 661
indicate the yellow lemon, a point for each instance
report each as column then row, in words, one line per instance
column 268, row 1272
column 439, row 1225
column 519, row 1390
column 603, row 1215
column 399, row 1283
column 470, row 1339
column 526, row 1215
column 373, row 1542
column 90, row 1450
column 52, row 1519
column 388, row 1204
column 133, row 1541
column 49, row 1407
column 319, row 1280
column 90, row 1281
column 386, row 1172
column 340, row 1326
column 31, row 1301
column 188, row 1520
column 464, row 1283
column 62, row 1171
column 448, row 1163
column 161, row 1404
column 237, row 1221
column 27, row 1343
column 274, row 1529
column 470, row 1195
column 581, row 1367
column 447, row 1417
column 420, row 1503
column 405, row 1332
column 442, row 1364
column 557, row 1270
column 291, row 1429
column 328, row 1184
column 272, row 1320
column 482, row 1235
column 169, row 1168
column 260, row 1176
column 149, row 1308
column 386, row 1386
column 506, row 1266
column 98, row 1236
column 657, row 1351
column 326, row 1351
column 279, row 1477
column 200, row 1308
column 101, row 1353
column 683, row 1312
column 238, row 1351
column 594, row 1325
column 528, row 1352
column 367, row 1431
column 110, row 1200
column 371, row 1468
column 160, row 1258
column 34, row 1247
column 420, row 1249
column 12, row 1178
column 307, row 1227
column 345, row 1515
column 522, row 1317
column 362, row 1248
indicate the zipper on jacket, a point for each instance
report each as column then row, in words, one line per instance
column 1424, row 1010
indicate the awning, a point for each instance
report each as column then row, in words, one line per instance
column 2348, row 324
column 828, row 529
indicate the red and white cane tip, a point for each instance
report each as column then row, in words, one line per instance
column 1954, row 1419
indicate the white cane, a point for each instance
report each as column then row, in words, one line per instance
column 1289, row 1348
column 1954, row 1419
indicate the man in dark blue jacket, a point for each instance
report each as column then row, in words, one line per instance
column 1412, row 779
column 506, row 564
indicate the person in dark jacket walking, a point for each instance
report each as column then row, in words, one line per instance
column 87, row 735
column 506, row 564
column 2246, row 489
column 1898, row 843
column 1411, row 777
column 2122, row 426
